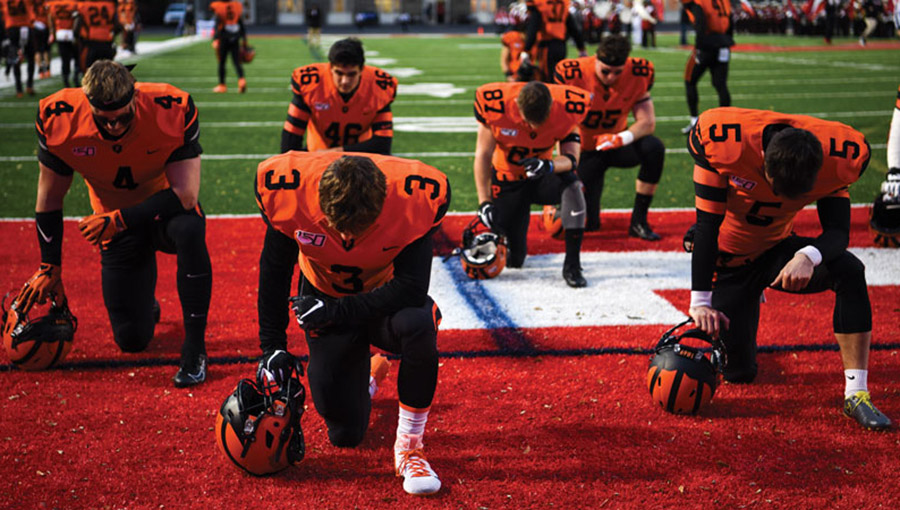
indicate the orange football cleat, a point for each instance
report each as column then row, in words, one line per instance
column 220, row 89
column 242, row 85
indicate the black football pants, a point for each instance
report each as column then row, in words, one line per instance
column 697, row 64
column 736, row 292
column 128, row 271
column 339, row 362
column 230, row 46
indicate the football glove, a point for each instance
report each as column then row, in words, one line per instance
column 47, row 280
column 278, row 367
column 535, row 168
column 609, row 141
column 524, row 57
column 486, row 214
column 890, row 188
column 99, row 228
column 311, row 312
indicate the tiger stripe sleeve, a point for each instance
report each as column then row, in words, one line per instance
column 298, row 116
column 383, row 123
column 710, row 190
column 711, row 193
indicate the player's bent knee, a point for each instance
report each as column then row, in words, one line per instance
column 346, row 437
column 131, row 339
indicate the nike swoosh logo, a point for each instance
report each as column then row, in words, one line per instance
column 153, row 151
column 318, row 305
column 851, row 377
column 196, row 275
column 45, row 237
column 576, row 213
column 388, row 248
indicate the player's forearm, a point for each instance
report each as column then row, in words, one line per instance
column 276, row 269
column 291, row 142
column 49, row 226
column 531, row 29
column 374, row 145
column 408, row 288
column 483, row 177
column 834, row 216
column 706, row 247
column 184, row 178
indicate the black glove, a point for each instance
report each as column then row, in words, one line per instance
column 535, row 168
column 277, row 367
column 486, row 214
column 311, row 312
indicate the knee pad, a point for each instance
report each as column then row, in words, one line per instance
column 411, row 322
column 572, row 206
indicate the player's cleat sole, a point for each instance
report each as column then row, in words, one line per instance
column 643, row 231
column 574, row 277
column 859, row 406
column 191, row 373
column 410, row 463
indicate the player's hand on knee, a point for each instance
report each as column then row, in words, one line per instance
column 536, row 168
column 311, row 312
column 795, row 275
column 99, row 228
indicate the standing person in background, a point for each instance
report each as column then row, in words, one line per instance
column 128, row 19
column 17, row 18
column 549, row 25
column 831, row 8
column 61, row 21
column 190, row 20
column 684, row 25
column 513, row 43
column 95, row 27
column 314, row 25
column 872, row 10
column 40, row 37
column 712, row 50
column 230, row 35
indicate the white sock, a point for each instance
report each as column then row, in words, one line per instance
column 693, row 121
column 373, row 387
column 411, row 421
column 855, row 380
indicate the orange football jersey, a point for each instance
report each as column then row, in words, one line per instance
column 727, row 146
column 717, row 12
column 333, row 122
column 17, row 13
column 287, row 192
column 61, row 11
column 98, row 17
column 515, row 41
column 124, row 172
column 553, row 18
column 40, row 11
column 228, row 13
column 496, row 108
column 610, row 106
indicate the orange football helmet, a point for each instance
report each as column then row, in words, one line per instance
column 884, row 222
column 682, row 379
column 551, row 221
column 260, row 433
column 42, row 342
column 247, row 54
column 483, row 253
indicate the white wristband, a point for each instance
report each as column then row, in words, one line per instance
column 626, row 136
column 701, row 298
column 812, row 253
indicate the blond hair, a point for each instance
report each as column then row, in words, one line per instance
column 107, row 82
column 351, row 193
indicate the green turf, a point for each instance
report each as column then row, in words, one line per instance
column 855, row 87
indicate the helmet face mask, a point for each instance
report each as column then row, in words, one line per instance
column 42, row 342
column 682, row 379
column 884, row 221
column 482, row 254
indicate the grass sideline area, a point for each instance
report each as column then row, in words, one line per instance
column 438, row 75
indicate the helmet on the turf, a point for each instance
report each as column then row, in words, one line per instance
column 39, row 343
column 681, row 378
column 260, row 432
column 884, row 221
column 551, row 221
column 483, row 253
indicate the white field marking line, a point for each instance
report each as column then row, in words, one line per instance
column 412, row 155
column 457, row 124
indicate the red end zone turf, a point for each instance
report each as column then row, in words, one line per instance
column 554, row 430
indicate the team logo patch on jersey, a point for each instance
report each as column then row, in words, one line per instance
column 509, row 132
column 309, row 238
column 84, row 151
column 321, row 106
column 742, row 183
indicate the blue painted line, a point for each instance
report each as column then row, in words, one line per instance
column 508, row 337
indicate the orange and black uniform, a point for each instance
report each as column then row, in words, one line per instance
column 128, row 173
column 95, row 30
column 375, row 284
column 127, row 13
column 362, row 122
column 609, row 114
column 549, row 25
column 230, row 33
column 744, row 229
column 713, row 28
column 62, row 22
column 515, row 41
column 40, row 34
column 511, row 191
column 18, row 16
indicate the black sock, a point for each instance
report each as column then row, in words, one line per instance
column 641, row 205
column 573, row 246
